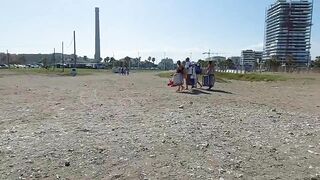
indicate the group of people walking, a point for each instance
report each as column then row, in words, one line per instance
column 188, row 74
column 123, row 71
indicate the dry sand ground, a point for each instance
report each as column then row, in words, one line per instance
column 106, row 126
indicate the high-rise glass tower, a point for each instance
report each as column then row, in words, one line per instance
column 288, row 31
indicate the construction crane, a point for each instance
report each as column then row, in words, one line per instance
column 210, row 53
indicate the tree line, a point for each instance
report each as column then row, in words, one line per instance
column 272, row 64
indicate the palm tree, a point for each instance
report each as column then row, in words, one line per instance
column 153, row 60
column 112, row 61
column 317, row 62
column 106, row 60
column 203, row 63
column 85, row 58
column 256, row 65
column 274, row 63
column 229, row 63
column 127, row 61
column 222, row 65
column 45, row 62
column 289, row 62
column 149, row 58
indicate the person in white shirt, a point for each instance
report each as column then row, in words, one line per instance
column 188, row 72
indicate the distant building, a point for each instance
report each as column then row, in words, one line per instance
column 216, row 58
column 288, row 31
column 166, row 64
column 249, row 58
column 258, row 56
column 235, row 59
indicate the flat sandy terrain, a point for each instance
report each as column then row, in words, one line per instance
column 107, row 126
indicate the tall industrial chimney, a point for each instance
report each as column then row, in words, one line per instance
column 97, row 40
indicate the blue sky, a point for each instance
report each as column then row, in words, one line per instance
column 175, row 28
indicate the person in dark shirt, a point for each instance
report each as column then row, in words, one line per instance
column 198, row 72
column 122, row 70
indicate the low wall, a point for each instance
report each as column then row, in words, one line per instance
column 232, row 71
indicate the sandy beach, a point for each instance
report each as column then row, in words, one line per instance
column 106, row 126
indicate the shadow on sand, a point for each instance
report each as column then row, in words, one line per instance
column 219, row 91
column 204, row 91
column 195, row 92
